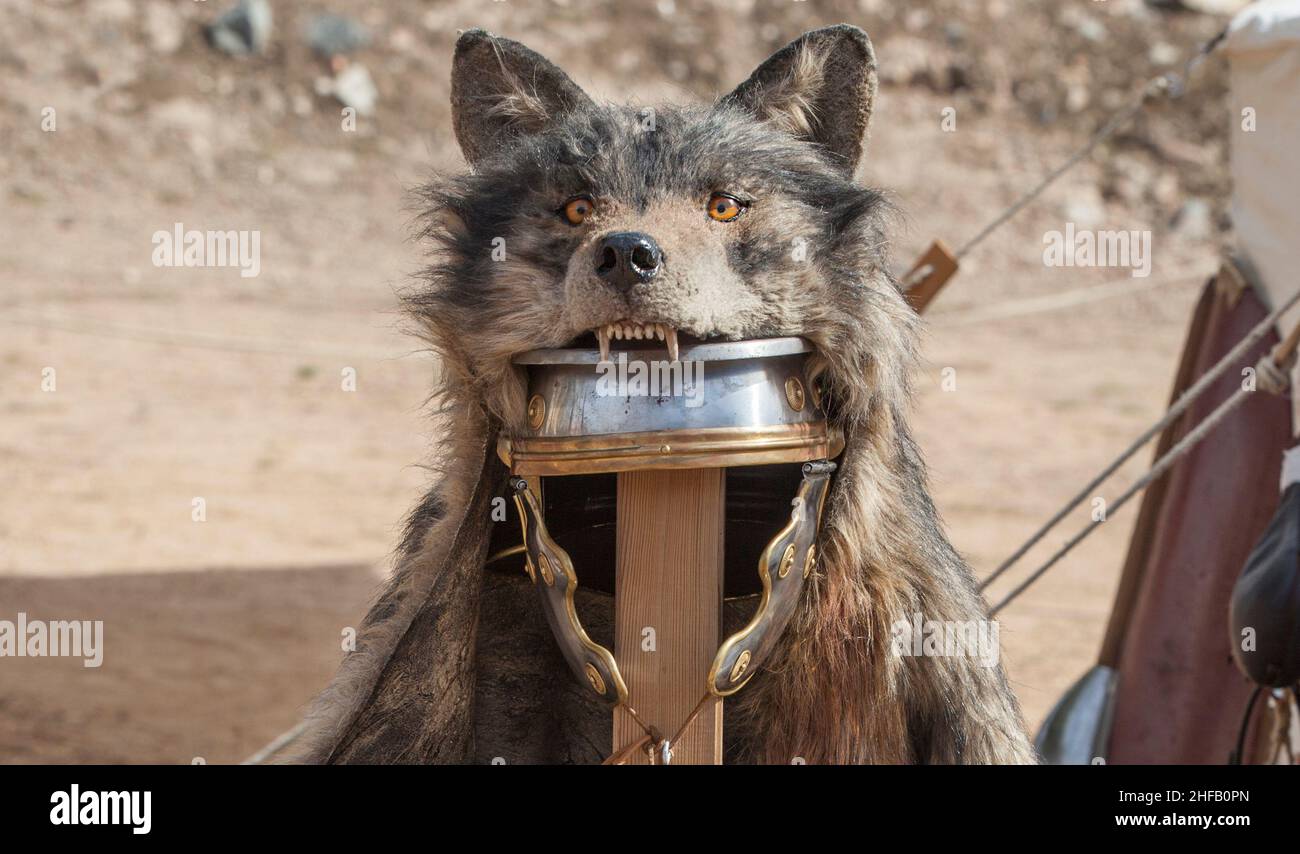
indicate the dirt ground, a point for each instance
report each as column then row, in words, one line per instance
column 179, row 384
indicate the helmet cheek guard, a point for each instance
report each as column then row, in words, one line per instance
column 745, row 403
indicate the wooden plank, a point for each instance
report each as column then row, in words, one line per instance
column 932, row 272
column 669, row 580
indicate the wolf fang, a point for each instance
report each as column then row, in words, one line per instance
column 659, row 378
column 1088, row 248
column 77, row 807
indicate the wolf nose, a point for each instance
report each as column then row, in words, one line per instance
column 627, row 257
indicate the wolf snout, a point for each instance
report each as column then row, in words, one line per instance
column 627, row 258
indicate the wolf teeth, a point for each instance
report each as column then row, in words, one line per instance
column 636, row 332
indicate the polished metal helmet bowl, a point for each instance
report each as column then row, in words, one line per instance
column 721, row 404
column 750, row 407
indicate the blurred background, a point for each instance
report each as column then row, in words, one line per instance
column 176, row 384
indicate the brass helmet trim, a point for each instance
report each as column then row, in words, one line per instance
column 739, row 656
column 713, row 448
column 592, row 663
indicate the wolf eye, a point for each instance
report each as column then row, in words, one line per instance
column 576, row 210
column 724, row 208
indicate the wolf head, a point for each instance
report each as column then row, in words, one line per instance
column 589, row 223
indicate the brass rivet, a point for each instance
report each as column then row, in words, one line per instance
column 815, row 390
column 593, row 676
column 809, row 560
column 742, row 664
column 536, row 411
column 528, row 565
column 665, row 449
column 794, row 393
column 545, row 566
column 787, row 561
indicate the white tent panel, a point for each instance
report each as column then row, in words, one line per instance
column 1263, row 49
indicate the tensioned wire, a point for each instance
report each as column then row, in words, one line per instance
column 1168, row 84
column 1270, row 375
column 1185, row 400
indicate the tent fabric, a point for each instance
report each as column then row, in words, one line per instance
column 1263, row 51
column 1179, row 698
column 1266, row 25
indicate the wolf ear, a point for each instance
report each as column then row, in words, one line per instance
column 820, row 87
column 501, row 89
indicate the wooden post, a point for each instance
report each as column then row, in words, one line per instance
column 669, row 579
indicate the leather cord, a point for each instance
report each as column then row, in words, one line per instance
column 653, row 741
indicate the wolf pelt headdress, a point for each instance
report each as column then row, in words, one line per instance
column 453, row 662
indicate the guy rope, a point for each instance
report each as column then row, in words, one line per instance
column 1272, row 374
column 937, row 265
